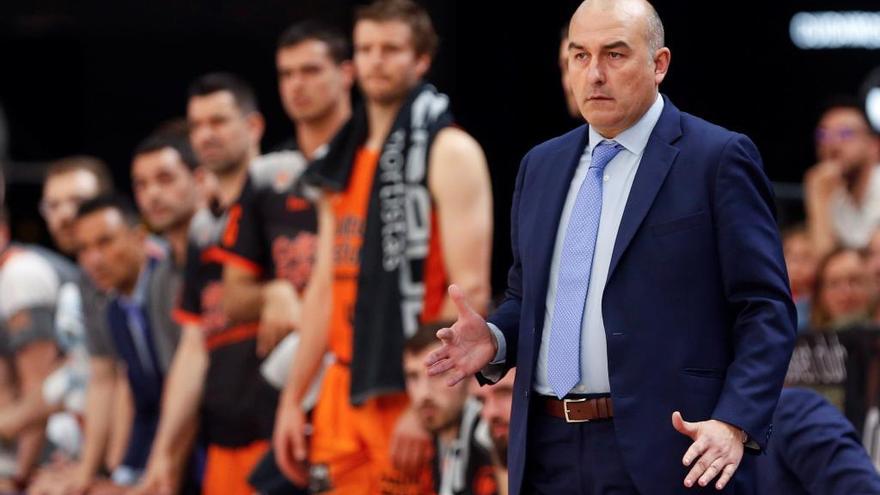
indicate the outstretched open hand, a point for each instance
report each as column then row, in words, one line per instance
column 468, row 345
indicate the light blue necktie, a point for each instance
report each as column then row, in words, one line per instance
column 575, row 265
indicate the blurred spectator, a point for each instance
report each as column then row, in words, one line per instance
column 814, row 451
column 872, row 260
column 842, row 191
column 460, row 465
column 571, row 105
column 497, row 400
column 165, row 180
column 113, row 248
column 215, row 384
column 800, row 261
column 843, row 291
column 35, row 288
column 69, row 182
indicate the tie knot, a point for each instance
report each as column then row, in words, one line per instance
column 603, row 153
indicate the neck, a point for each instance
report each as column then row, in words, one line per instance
column 380, row 117
column 128, row 286
column 312, row 135
column 231, row 184
column 177, row 238
column 448, row 435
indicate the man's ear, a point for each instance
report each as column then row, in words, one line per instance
column 662, row 59
column 423, row 64
column 256, row 125
column 347, row 69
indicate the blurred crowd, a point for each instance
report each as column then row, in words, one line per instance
column 257, row 321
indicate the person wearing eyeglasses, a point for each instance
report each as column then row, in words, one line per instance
column 842, row 191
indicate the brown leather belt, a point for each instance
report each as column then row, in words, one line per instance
column 579, row 410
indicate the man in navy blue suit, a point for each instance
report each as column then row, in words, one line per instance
column 648, row 287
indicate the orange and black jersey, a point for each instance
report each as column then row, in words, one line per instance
column 271, row 231
column 238, row 407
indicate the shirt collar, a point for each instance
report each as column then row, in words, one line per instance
column 138, row 296
column 636, row 137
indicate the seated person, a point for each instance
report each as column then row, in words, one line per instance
column 814, row 450
column 460, row 465
column 496, row 400
column 843, row 292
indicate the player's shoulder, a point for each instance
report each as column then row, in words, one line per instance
column 23, row 263
column 205, row 228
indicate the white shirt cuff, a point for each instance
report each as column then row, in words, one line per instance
column 501, row 354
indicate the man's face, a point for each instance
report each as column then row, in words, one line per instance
column 570, row 102
column 62, row 195
column 385, row 60
column 800, row 260
column 614, row 75
column 310, row 82
column 109, row 250
column 497, row 400
column 438, row 406
column 222, row 136
column 164, row 188
column 846, row 286
column 872, row 259
column 843, row 136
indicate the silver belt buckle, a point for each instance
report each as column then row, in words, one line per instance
column 565, row 403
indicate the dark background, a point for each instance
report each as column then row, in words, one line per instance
column 96, row 77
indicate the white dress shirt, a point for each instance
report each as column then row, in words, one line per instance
column 618, row 180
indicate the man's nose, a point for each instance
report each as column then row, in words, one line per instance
column 595, row 73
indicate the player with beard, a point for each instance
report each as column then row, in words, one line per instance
column 167, row 181
column 214, row 379
column 273, row 228
column 399, row 158
column 164, row 185
column 496, row 400
column 460, row 466
column 270, row 260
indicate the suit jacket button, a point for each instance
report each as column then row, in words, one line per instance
column 526, row 394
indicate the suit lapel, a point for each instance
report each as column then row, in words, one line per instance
column 656, row 161
column 555, row 179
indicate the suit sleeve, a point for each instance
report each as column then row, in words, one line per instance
column 820, row 447
column 756, row 288
column 507, row 316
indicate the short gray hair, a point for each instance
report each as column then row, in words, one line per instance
column 656, row 34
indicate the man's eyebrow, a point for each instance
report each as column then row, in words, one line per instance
column 615, row 45
column 610, row 46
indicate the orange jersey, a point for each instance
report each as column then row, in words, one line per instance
column 350, row 211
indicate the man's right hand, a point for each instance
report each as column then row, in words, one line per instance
column 822, row 180
column 161, row 477
column 289, row 441
column 468, row 346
